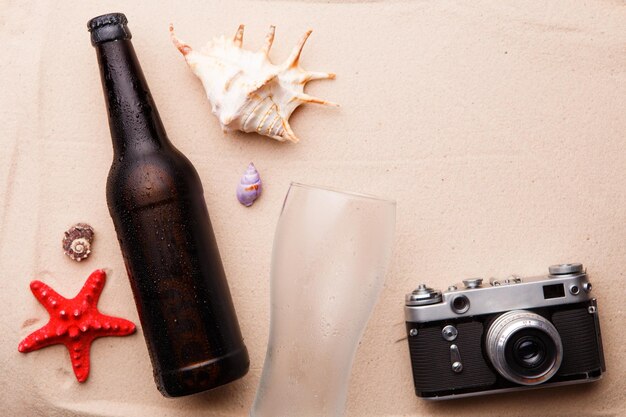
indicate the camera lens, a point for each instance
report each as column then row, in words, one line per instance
column 529, row 352
column 524, row 347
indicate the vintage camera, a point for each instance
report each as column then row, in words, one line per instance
column 512, row 334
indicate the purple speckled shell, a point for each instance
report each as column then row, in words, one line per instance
column 250, row 186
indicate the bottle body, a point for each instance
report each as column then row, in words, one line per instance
column 156, row 201
column 178, row 281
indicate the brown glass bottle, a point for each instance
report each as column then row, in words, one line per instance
column 156, row 200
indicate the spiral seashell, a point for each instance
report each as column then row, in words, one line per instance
column 250, row 186
column 77, row 241
column 246, row 90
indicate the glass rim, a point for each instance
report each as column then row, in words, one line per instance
column 345, row 193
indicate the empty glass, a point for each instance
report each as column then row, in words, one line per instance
column 331, row 251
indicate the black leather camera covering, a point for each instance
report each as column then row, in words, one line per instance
column 432, row 367
column 582, row 351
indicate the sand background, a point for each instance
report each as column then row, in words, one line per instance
column 497, row 126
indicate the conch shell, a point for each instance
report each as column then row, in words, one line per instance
column 250, row 186
column 246, row 90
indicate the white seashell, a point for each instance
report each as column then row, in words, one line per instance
column 247, row 92
column 250, row 186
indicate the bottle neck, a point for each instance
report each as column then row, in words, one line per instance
column 133, row 117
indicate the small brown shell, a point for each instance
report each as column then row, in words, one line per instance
column 77, row 241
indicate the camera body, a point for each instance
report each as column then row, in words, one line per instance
column 511, row 334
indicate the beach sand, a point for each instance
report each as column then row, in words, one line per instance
column 497, row 126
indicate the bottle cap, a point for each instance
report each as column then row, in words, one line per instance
column 108, row 27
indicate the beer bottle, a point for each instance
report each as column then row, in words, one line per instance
column 156, row 200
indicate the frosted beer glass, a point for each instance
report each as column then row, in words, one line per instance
column 331, row 251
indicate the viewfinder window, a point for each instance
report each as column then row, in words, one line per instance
column 553, row 291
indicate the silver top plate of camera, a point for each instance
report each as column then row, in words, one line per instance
column 564, row 284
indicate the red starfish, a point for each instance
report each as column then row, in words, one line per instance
column 75, row 322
